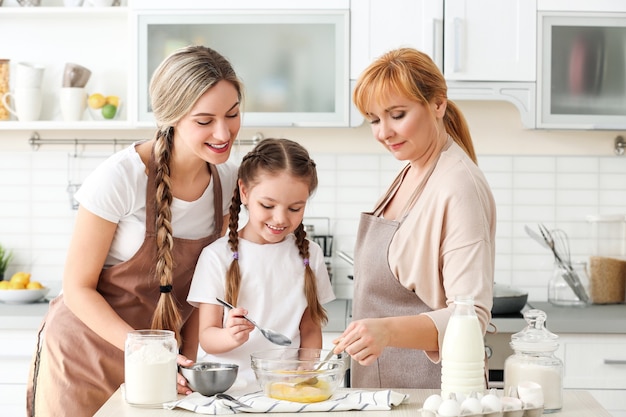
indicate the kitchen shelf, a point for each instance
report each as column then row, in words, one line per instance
column 60, row 125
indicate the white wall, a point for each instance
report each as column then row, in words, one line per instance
column 554, row 177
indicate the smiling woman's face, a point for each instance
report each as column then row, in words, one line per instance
column 212, row 125
column 276, row 206
column 405, row 127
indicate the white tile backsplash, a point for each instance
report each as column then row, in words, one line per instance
column 560, row 191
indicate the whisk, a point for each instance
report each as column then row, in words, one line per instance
column 561, row 244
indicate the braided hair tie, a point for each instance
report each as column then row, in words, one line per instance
column 235, row 256
column 165, row 288
column 306, row 261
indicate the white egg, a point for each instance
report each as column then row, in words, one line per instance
column 449, row 408
column 511, row 404
column 433, row 402
column 491, row 403
column 471, row 406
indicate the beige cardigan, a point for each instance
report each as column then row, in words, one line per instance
column 446, row 245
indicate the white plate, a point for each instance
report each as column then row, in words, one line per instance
column 22, row 296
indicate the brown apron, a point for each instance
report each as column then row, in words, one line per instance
column 378, row 293
column 74, row 370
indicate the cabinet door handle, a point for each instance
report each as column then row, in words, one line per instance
column 615, row 361
column 458, row 44
column 438, row 42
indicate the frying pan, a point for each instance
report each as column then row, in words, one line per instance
column 508, row 300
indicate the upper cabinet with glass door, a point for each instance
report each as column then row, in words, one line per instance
column 294, row 63
column 582, row 70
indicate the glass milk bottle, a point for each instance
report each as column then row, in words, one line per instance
column 463, row 351
column 150, row 367
column 534, row 361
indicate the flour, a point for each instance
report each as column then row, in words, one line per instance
column 150, row 374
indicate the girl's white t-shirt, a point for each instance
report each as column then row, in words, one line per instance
column 116, row 191
column 272, row 290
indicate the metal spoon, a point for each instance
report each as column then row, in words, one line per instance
column 271, row 335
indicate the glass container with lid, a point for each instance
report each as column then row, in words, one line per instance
column 534, row 361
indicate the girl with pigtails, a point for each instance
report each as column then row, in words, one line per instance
column 145, row 215
column 268, row 268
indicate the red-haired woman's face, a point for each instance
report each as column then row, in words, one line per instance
column 407, row 128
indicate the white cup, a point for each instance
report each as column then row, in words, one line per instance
column 27, row 103
column 28, row 75
column 73, row 102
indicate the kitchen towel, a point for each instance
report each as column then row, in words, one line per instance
column 257, row 402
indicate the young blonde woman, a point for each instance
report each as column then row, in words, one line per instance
column 268, row 269
column 145, row 214
column 430, row 238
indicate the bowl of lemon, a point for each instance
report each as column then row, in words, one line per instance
column 103, row 107
column 20, row 289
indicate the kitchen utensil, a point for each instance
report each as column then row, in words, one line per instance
column 210, row 378
column 271, row 335
column 278, row 372
column 561, row 243
column 313, row 380
column 508, row 300
column 569, row 275
column 232, row 399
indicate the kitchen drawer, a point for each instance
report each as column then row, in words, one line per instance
column 17, row 343
column 14, row 370
column 12, row 399
column 594, row 362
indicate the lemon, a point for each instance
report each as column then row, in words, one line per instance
column 114, row 100
column 96, row 101
column 17, row 285
column 34, row 285
column 108, row 111
column 20, row 277
column 4, row 285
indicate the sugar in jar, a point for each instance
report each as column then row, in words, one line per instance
column 534, row 361
column 150, row 367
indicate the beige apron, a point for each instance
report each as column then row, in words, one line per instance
column 74, row 370
column 378, row 293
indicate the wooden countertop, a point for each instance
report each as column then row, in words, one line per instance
column 576, row 404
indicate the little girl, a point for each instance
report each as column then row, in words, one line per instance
column 268, row 268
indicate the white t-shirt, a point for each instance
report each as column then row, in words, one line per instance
column 272, row 290
column 116, row 191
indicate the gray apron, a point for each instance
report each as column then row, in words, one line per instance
column 378, row 293
column 74, row 370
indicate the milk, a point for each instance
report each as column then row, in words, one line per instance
column 463, row 352
column 149, row 370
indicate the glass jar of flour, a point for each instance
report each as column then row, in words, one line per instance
column 534, row 361
column 150, row 367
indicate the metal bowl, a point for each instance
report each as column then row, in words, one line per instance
column 298, row 374
column 210, row 378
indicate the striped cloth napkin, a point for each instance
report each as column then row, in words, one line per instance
column 257, row 402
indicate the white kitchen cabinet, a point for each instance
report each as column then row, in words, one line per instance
column 53, row 35
column 596, row 363
column 490, row 40
column 380, row 25
column 15, row 358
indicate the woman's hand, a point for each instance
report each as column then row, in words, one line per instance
column 181, row 382
column 364, row 340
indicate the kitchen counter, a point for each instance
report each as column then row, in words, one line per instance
column 576, row 404
column 593, row 319
column 22, row 316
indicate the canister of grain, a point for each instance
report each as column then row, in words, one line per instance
column 534, row 361
column 4, row 87
column 607, row 263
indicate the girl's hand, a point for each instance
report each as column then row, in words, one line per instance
column 237, row 326
column 181, row 382
column 364, row 340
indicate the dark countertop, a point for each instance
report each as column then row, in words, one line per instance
column 593, row 319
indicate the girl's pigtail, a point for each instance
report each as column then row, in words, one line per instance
column 233, row 275
column 318, row 314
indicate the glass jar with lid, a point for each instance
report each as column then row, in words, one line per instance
column 560, row 293
column 534, row 361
